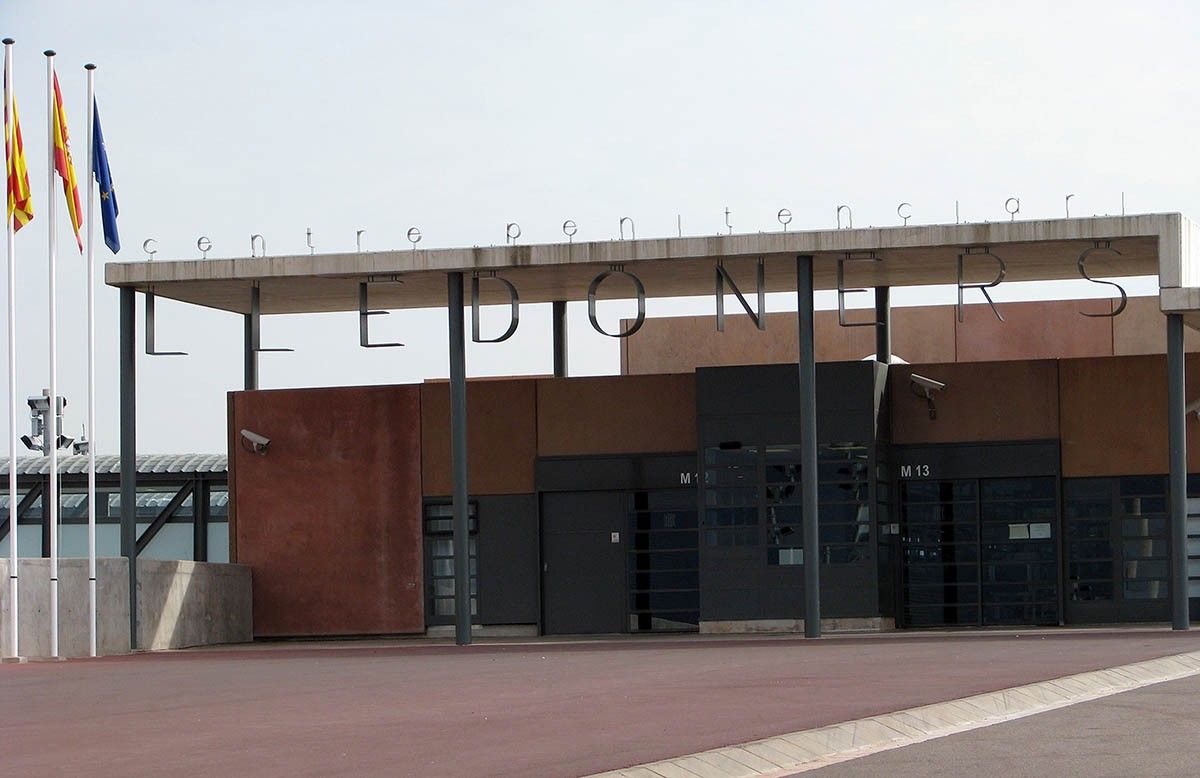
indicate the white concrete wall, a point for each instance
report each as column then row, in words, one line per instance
column 183, row 603
column 112, row 594
column 179, row 604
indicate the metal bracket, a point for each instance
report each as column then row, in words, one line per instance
column 514, row 316
column 258, row 241
column 364, row 317
column 760, row 317
column 849, row 214
column 842, row 291
column 150, row 330
column 618, row 270
column 980, row 251
column 255, row 317
column 632, row 228
column 1102, row 245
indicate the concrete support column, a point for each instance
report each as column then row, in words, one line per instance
column 883, row 324
column 559, row 319
column 808, row 447
column 458, row 454
column 1177, row 444
column 128, row 423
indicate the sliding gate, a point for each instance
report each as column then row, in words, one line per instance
column 979, row 545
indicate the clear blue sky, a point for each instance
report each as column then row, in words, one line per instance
column 230, row 118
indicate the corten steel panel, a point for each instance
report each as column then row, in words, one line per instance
column 330, row 518
column 924, row 333
column 682, row 344
column 501, row 437
column 1114, row 415
column 616, row 415
column 231, row 440
column 1035, row 330
column 1142, row 329
column 983, row 401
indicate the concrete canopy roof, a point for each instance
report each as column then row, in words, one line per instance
column 1154, row 244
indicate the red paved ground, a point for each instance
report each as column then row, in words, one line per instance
column 557, row 709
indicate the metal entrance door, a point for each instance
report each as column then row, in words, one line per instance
column 979, row 551
column 583, row 562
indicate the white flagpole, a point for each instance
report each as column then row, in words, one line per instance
column 91, row 358
column 12, row 373
column 50, row 434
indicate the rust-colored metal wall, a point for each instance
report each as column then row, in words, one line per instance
column 982, row 401
column 1142, row 329
column 682, row 344
column 1114, row 415
column 616, row 415
column 329, row 519
column 501, row 437
column 1036, row 330
column 922, row 334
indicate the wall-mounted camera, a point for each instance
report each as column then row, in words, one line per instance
column 925, row 387
column 252, row 441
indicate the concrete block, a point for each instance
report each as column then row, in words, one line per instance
column 183, row 603
column 179, row 604
column 33, row 594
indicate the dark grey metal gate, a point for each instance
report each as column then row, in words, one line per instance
column 583, row 562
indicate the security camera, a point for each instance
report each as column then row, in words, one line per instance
column 928, row 384
column 925, row 387
column 1192, row 407
column 258, row 443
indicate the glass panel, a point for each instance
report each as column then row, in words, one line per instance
column 173, row 541
column 785, row 556
column 218, row 541
column 72, row 540
column 1145, row 590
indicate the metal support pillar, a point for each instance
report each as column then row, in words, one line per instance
column 808, row 447
column 559, row 318
column 250, row 343
column 128, row 363
column 1177, row 444
column 883, row 324
column 458, row 453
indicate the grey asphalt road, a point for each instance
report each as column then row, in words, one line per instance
column 1153, row 731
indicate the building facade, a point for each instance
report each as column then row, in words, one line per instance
column 1027, row 491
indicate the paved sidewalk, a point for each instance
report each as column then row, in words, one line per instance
column 502, row 709
column 1153, row 731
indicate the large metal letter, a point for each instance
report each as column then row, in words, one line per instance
column 641, row 301
column 514, row 316
column 842, row 291
column 981, row 251
column 255, row 324
column 364, row 317
column 1102, row 245
column 1177, row 446
column 458, row 457
column 128, row 362
column 760, row 317
column 808, row 448
column 150, row 330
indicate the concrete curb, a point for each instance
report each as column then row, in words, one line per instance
column 809, row 749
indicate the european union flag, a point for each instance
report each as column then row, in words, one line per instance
column 108, row 197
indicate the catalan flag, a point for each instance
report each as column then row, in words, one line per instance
column 63, row 164
column 20, row 203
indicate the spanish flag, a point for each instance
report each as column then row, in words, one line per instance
column 20, row 203
column 63, row 164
